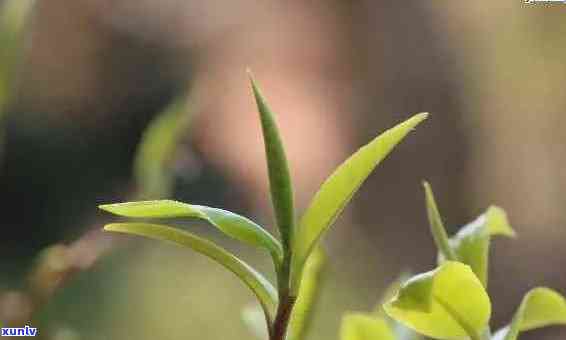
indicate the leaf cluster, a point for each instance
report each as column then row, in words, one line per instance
column 451, row 301
column 297, row 269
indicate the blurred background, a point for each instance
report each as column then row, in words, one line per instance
column 84, row 79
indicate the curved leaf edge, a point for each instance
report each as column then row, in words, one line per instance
column 257, row 283
column 163, row 209
column 280, row 182
column 518, row 324
column 379, row 148
column 426, row 296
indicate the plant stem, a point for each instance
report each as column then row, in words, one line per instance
column 286, row 304
column 286, row 300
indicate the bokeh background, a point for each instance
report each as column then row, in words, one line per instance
column 88, row 76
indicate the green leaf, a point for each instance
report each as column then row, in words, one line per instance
column 338, row 190
column 278, row 169
column 471, row 243
column 541, row 307
column 389, row 294
column 157, row 148
column 401, row 331
column 437, row 226
column 231, row 224
column 357, row 326
column 13, row 17
column 309, row 293
column 261, row 288
column 446, row 303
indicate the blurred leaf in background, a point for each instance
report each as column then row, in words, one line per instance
column 13, row 15
column 156, row 151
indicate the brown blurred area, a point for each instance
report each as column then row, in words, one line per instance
column 95, row 72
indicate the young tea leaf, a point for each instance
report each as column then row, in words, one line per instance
column 541, row 307
column 231, row 224
column 309, row 293
column 338, row 190
column 389, row 293
column 401, row 331
column 278, row 169
column 471, row 243
column 261, row 288
column 446, row 303
column 437, row 226
column 357, row 326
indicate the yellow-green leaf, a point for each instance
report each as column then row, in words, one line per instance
column 338, row 190
column 471, row 243
column 262, row 289
column 357, row 326
column 541, row 307
column 401, row 331
column 302, row 315
column 388, row 294
column 446, row 303
column 278, row 169
column 231, row 224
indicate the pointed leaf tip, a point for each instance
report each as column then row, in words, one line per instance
column 338, row 189
column 437, row 226
column 419, row 117
column 498, row 222
column 278, row 169
column 471, row 243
